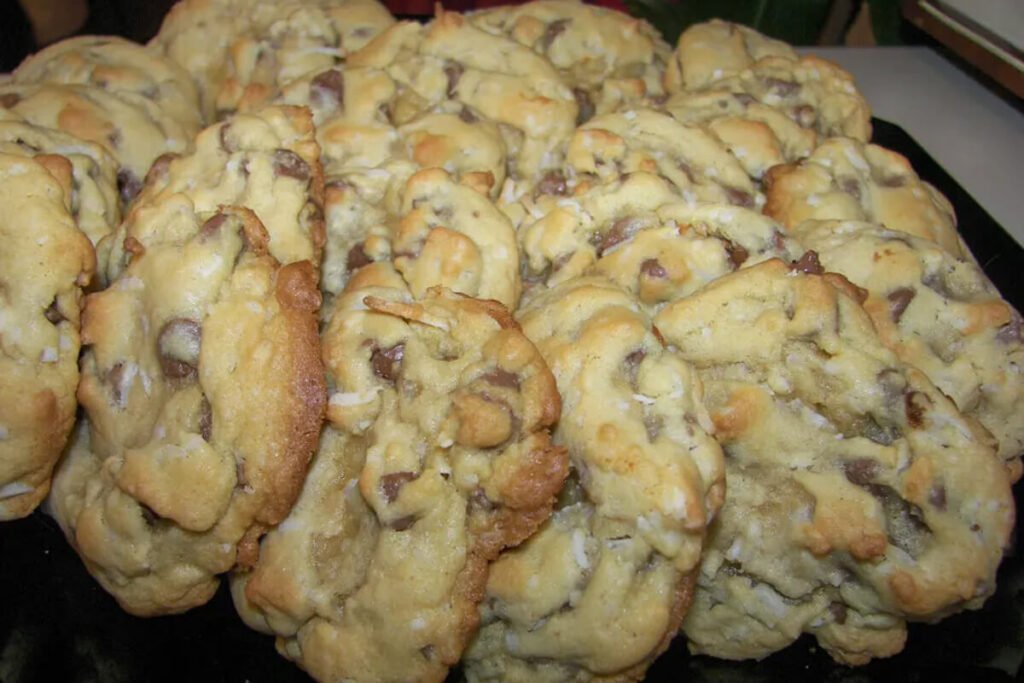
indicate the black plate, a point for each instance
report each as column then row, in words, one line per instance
column 56, row 624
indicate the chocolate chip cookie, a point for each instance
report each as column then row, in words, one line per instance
column 859, row 496
column 437, row 457
column 600, row 591
column 44, row 264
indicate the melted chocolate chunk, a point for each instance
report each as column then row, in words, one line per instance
column 553, row 183
column 904, row 521
column 653, row 269
column 212, row 225
column 115, row 378
column 861, row 471
column 466, row 115
column 501, row 378
column 403, row 523
column 453, row 71
column 915, row 404
column 937, row 496
column 781, row 87
column 851, row 187
column 739, row 197
column 53, row 313
column 206, row 423
column 899, row 299
column 838, row 612
column 288, row 163
column 387, row 362
column 622, row 230
column 327, row 90
column 357, row 258
column 159, row 167
column 585, row 105
column 10, row 99
column 808, row 264
column 554, row 29
column 178, row 346
column 128, row 185
column 391, row 484
column 737, row 254
column 1010, row 333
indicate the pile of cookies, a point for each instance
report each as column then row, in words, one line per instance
column 516, row 340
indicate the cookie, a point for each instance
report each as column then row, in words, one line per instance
column 355, row 112
column 812, row 91
column 637, row 233
column 607, row 57
column 599, row 592
column 44, row 264
column 437, row 457
column 846, row 180
column 93, row 188
column 241, row 52
column 495, row 77
column 267, row 161
column 939, row 314
column 758, row 135
column 117, row 66
column 713, row 50
column 699, row 166
column 132, row 128
column 859, row 496
column 204, row 394
column 435, row 230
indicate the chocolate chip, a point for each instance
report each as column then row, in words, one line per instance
column 622, row 230
column 158, row 169
column 178, row 345
column 466, row 115
column 403, row 523
column 453, row 71
column 631, row 365
column 893, row 181
column 653, row 269
column 554, row 29
column 327, row 90
column 501, row 378
column 739, row 197
column 478, row 499
column 205, row 419
column 804, row 115
column 128, row 185
column 212, row 225
column 148, row 516
column 288, row 163
column 391, row 484
column 915, row 405
column 937, row 496
column 899, row 299
column 778, row 241
column 115, row 378
column 851, row 187
column 882, row 435
column 737, row 254
column 584, row 104
column 904, row 521
column 838, row 612
column 744, row 99
column 387, row 362
column 782, row 88
column 553, row 183
column 653, row 425
column 861, row 471
column 428, row 652
column 808, row 264
column 1010, row 333
column 687, row 170
column 53, row 313
column 357, row 258
column 9, row 99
